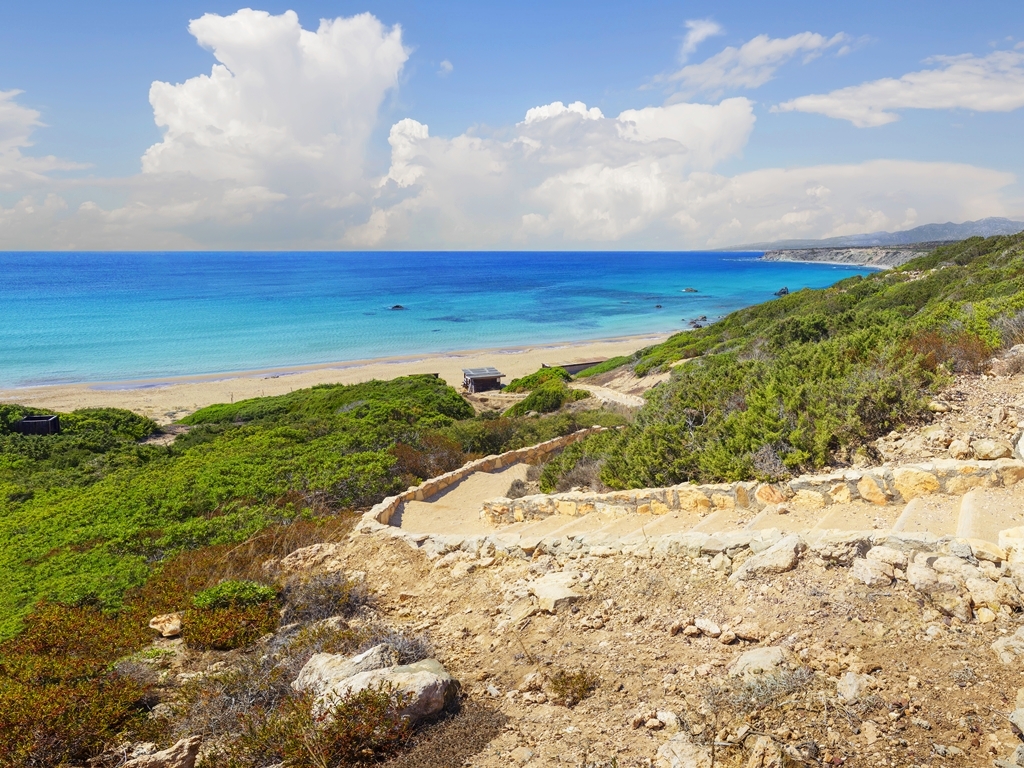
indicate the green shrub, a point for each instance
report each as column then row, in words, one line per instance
column 234, row 594
column 546, row 398
column 608, row 365
column 534, row 380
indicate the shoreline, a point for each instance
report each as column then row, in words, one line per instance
column 168, row 399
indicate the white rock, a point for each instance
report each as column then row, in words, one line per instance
column 921, row 577
column 553, row 591
column 668, row 719
column 324, row 670
column 852, row 686
column 893, row 557
column 167, row 624
column 1010, row 650
column 989, row 450
column 758, row 661
column 780, row 558
column 428, row 685
column 181, row 755
column 874, row 573
column 1011, row 541
column 680, row 752
column 708, row 627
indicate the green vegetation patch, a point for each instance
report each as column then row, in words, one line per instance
column 543, row 376
column 234, row 593
column 548, row 397
column 806, row 380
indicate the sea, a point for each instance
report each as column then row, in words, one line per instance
column 117, row 317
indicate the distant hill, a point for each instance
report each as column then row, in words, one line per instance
column 927, row 233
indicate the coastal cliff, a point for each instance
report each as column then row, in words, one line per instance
column 869, row 257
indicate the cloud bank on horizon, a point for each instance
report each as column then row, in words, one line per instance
column 270, row 150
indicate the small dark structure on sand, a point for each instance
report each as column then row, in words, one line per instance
column 38, row 425
column 481, row 379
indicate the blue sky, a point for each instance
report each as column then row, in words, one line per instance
column 410, row 131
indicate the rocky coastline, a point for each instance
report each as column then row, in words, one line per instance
column 876, row 256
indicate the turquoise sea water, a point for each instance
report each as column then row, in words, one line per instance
column 70, row 317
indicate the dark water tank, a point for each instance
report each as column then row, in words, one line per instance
column 38, row 425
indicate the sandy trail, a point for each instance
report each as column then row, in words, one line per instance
column 457, row 509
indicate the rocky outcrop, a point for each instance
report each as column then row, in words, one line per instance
column 167, row 624
column 868, row 257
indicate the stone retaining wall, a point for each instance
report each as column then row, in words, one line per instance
column 383, row 511
column 881, row 485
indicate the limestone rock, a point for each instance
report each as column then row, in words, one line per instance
column 852, row 686
column 841, row 548
column 911, row 482
column 959, row 449
column 765, row 754
column 874, row 573
column 681, row 752
column 167, row 624
column 780, row 558
column 181, row 755
column 921, row 577
column 1010, row 650
column 521, row 755
column 553, row 592
column 758, row 661
column 1011, row 541
column 893, row 557
column 989, row 450
column 870, row 490
column 708, row 627
column 427, row 683
column 323, row 670
column 316, row 558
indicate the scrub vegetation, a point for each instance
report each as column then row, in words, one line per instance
column 812, row 378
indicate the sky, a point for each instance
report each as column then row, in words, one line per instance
column 400, row 125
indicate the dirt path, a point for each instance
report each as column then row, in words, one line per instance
column 606, row 395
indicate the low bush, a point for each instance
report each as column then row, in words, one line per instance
column 321, row 596
column 546, row 398
column 534, row 380
column 234, row 593
column 518, row 489
column 608, row 365
column 570, row 688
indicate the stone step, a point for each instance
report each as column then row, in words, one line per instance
column 858, row 516
column 787, row 520
column 986, row 511
column 938, row 515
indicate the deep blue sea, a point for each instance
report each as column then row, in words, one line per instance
column 72, row 317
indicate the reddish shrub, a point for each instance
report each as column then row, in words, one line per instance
column 962, row 351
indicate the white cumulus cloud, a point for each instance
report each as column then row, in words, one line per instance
column 993, row 83
column 751, row 65
column 284, row 108
column 17, row 124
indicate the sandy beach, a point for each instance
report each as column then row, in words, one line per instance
column 166, row 400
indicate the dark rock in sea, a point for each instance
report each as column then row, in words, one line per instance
column 782, row 292
column 657, row 306
column 702, row 318
column 690, row 290
column 398, row 306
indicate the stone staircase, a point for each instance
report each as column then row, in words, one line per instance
column 922, row 506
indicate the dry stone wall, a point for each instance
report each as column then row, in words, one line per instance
column 382, row 512
column 881, row 486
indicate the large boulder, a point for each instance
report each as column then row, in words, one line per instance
column 989, row 450
column 325, row 669
column 427, row 684
column 777, row 559
column 874, row 573
column 181, row 755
